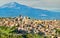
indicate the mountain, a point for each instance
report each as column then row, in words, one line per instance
column 14, row 9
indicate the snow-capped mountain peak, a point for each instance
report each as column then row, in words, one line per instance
column 10, row 5
column 15, row 9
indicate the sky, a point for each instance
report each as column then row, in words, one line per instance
column 53, row 5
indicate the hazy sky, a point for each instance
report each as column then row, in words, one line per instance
column 41, row 4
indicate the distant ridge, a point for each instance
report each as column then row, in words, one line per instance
column 14, row 9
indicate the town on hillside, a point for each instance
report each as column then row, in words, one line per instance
column 28, row 25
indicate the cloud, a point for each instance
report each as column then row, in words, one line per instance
column 43, row 15
column 43, row 4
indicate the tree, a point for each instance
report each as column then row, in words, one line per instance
column 57, row 31
column 33, row 36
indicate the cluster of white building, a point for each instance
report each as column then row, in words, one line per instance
column 46, row 27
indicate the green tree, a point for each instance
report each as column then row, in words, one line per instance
column 33, row 36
